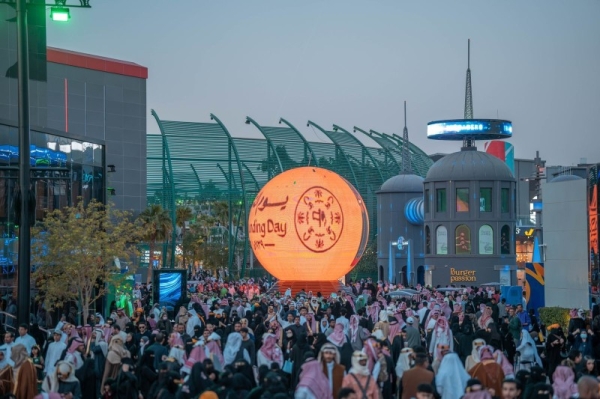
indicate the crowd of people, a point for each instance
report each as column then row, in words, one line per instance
column 238, row 339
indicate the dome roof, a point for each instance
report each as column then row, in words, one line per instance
column 560, row 178
column 403, row 183
column 469, row 165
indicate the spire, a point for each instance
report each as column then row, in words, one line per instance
column 468, row 94
column 468, row 142
column 406, row 168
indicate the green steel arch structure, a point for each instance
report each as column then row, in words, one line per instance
column 196, row 162
column 387, row 155
column 419, row 162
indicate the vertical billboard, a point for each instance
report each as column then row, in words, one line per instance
column 534, row 285
column 593, row 228
column 503, row 151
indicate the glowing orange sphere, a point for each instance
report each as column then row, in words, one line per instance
column 308, row 224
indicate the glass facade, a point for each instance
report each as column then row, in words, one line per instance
column 485, row 199
column 440, row 200
column 62, row 170
column 505, row 200
column 463, row 240
column 462, row 200
column 441, row 240
column 486, row 240
column 505, row 240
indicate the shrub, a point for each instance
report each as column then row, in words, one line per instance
column 555, row 315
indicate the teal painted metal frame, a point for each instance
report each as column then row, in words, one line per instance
column 171, row 207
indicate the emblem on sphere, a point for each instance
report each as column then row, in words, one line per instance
column 318, row 219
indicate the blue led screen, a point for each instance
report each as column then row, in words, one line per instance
column 478, row 129
column 169, row 288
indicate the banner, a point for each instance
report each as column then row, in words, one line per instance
column 534, row 285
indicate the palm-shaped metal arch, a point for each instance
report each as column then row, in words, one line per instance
column 339, row 150
column 271, row 146
column 366, row 152
column 167, row 169
column 232, row 241
column 385, row 146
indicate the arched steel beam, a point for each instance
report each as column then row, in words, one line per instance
column 167, row 161
column 414, row 160
column 382, row 144
column 197, row 177
column 412, row 146
column 269, row 142
column 252, row 176
column 307, row 146
column 365, row 150
column 232, row 242
column 340, row 149
column 227, row 178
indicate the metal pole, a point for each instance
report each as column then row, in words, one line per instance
column 23, row 292
column 390, row 263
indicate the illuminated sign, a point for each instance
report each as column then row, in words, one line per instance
column 308, row 224
column 461, row 276
column 594, row 242
column 529, row 232
column 477, row 129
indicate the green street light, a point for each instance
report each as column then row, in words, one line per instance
column 60, row 14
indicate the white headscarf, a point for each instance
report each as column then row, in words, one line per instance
column 451, row 378
column 232, row 347
column 475, row 349
column 101, row 322
column 357, row 368
column 100, row 341
column 403, row 363
column 178, row 354
column 526, row 339
column 51, row 383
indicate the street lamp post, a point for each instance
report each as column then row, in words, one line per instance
column 23, row 290
column 24, row 269
column 401, row 243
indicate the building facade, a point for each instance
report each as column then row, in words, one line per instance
column 470, row 220
column 86, row 112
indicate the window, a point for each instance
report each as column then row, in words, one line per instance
column 505, row 200
column 505, row 239
column 427, row 240
column 440, row 200
column 441, row 240
column 462, row 200
column 463, row 240
column 485, row 199
column 426, row 201
column 486, row 240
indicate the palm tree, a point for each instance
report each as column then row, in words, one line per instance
column 157, row 226
column 182, row 215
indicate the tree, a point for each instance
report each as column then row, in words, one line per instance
column 74, row 250
column 182, row 215
column 367, row 265
column 156, row 226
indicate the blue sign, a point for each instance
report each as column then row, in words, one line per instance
column 476, row 129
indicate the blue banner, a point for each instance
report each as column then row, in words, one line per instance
column 534, row 285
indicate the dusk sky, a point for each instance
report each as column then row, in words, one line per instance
column 353, row 63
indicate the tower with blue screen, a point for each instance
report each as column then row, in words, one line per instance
column 470, row 214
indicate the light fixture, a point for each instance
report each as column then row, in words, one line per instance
column 60, row 14
column 111, row 168
column 111, row 191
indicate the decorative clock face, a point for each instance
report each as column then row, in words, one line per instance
column 308, row 224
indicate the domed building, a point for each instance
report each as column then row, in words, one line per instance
column 470, row 220
column 400, row 217
column 400, row 214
